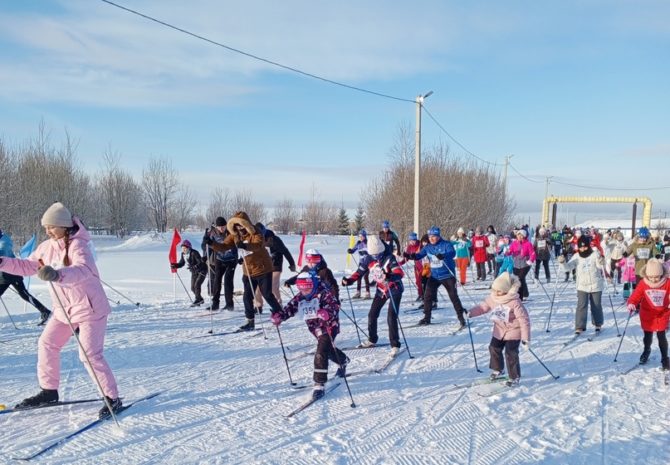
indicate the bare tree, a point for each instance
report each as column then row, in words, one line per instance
column 454, row 192
column 285, row 216
column 244, row 201
column 120, row 196
column 160, row 183
column 319, row 217
column 181, row 210
column 220, row 204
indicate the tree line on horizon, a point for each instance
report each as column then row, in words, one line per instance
column 36, row 173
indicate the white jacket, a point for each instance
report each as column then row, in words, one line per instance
column 589, row 271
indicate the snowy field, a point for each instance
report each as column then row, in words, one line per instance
column 224, row 399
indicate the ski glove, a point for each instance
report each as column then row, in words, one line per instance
column 350, row 251
column 529, row 262
column 632, row 308
column 526, row 344
column 46, row 273
column 561, row 259
column 240, row 261
column 241, row 245
column 292, row 268
column 275, row 318
column 323, row 314
column 439, row 256
column 174, row 266
column 208, row 240
column 345, row 282
column 409, row 256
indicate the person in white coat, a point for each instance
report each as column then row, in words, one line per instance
column 590, row 267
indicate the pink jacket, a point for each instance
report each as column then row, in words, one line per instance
column 521, row 252
column 79, row 287
column 627, row 265
column 510, row 318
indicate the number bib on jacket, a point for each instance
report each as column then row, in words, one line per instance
column 541, row 244
column 656, row 296
column 500, row 313
column 479, row 243
column 643, row 254
column 377, row 274
column 308, row 308
column 436, row 262
column 666, row 249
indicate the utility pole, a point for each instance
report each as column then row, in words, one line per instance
column 417, row 160
column 507, row 159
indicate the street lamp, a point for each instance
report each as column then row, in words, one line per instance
column 417, row 159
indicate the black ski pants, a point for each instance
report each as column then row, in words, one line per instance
column 197, row 278
column 481, row 271
column 391, row 317
column 511, row 357
column 521, row 273
column 431, row 293
column 222, row 272
column 264, row 283
column 24, row 294
column 325, row 351
column 662, row 343
column 545, row 263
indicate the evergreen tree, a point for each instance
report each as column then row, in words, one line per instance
column 343, row 223
column 359, row 219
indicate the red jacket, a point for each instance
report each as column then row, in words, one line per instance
column 653, row 301
column 479, row 245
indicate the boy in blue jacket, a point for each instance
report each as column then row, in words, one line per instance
column 441, row 254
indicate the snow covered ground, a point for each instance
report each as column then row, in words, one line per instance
column 224, row 399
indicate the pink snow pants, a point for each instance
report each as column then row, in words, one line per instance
column 92, row 337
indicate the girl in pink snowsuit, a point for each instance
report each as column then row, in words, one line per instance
column 66, row 261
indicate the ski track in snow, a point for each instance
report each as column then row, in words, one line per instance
column 224, row 398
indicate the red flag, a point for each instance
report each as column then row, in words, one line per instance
column 172, row 256
column 302, row 247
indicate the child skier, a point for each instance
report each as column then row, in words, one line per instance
column 317, row 264
column 480, row 244
column 320, row 311
column 196, row 265
column 652, row 296
column 462, row 246
column 413, row 246
column 511, row 326
column 590, row 266
column 385, row 271
column 523, row 254
column 361, row 247
column 627, row 267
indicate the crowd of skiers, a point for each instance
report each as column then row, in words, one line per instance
column 592, row 259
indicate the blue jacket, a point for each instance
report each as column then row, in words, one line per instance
column 439, row 269
column 6, row 246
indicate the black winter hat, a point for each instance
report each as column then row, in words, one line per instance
column 584, row 241
column 220, row 221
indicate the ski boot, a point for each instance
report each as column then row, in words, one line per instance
column 45, row 396
column 318, row 391
column 342, row 370
column 250, row 326
column 512, row 382
column 644, row 358
column 116, row 405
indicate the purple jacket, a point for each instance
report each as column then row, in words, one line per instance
column 323, row 298
column 79, row 287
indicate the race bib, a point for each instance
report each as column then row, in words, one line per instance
column 479, row 243
column 308, row 309
column 436, row 262
column 377, row 274
column 643, row 254
column 541, row 244
column 655, row 296
column 500, row 313
column 666, row 249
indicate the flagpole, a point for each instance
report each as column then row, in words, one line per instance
column 174, row 285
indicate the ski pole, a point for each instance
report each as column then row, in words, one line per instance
column 339, row 362
column 397, row 315
column 551, row 308
column 622, row 336
column 8, row 314
column 137, row 304
column 472, row 343
column 88, row 360
column 115, row 302
column 182, row 285
column 209, row 289
column 354, row 314
column 614, row 315
column 541, row 363
column 356, row 324
column 281, row 342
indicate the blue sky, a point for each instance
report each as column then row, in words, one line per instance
column 577, row 90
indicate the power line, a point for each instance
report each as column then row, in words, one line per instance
column 255, row 57
column 591, row 187
column 457, row 142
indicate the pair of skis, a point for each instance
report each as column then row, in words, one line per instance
column 82, row 429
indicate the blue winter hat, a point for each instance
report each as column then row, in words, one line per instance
column 643, row 232
column 386, row 224
column 363, row 233
column 434, row 231
column 412, row 237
